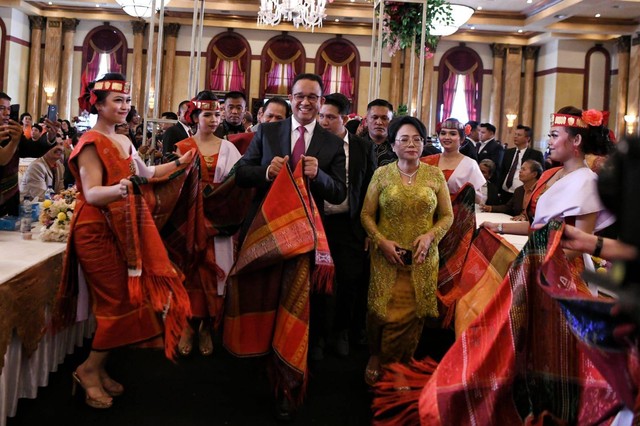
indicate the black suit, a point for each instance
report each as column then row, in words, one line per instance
column 468, row 148
column 493, row 151
column 274, row 140
column 171, row 136
column 346, row 239
column 529, row 154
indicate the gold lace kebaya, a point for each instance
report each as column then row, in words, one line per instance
column 405, row 212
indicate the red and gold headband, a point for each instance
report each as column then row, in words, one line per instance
column 589, row 117
column 110, row 86
column 206, row 105
column 452, row 124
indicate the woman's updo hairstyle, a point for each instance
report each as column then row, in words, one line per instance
column 595, row 138
column 192, row 112
column 100, row 95
column 400, row 121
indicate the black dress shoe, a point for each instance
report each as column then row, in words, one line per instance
column 284, row 409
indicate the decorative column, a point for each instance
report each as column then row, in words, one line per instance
column 51, row 61
column 426, row 92
column 530, row 55
column 66, row 80
column 512, row 81
column 405, row 80
column 168, row 66
column 634, row 80
column 37, row 24
column 623, row 45
column 151, row 79
column 395, row 83
column 136, row 78
column 499, row 51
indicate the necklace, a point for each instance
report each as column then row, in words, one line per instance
column 409, row 175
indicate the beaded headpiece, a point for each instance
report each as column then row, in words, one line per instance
column 589, row 117
column 110, row 86
column 452, row 123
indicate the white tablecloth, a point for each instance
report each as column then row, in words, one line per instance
column 21, row 375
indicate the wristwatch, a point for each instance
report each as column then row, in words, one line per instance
column 500, row 230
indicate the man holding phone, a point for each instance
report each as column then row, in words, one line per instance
column 13, row 145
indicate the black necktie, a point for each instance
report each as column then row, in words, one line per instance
column 478, row 145
column 512, row 170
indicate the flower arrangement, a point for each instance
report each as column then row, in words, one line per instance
column 56, row 214
column 402, row 23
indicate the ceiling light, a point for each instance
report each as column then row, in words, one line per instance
column 50, row 3
column 559, row 16
column 308, row 13
column 529, row 1
column 471, row 27
column 337, row 20
column 520, row 31
column 138, row 8
column 597, row 15
column 460, row 15
column 479, row 8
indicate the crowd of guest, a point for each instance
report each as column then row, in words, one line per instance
column 394, row 206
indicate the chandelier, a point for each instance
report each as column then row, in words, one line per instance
column 308, row 13
column 459, row 15
column 139, row 8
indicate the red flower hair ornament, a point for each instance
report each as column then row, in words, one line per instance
column 467, row 130
column 592, row 117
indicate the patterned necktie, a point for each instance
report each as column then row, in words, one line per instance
column 512, row 170
column 298, row 149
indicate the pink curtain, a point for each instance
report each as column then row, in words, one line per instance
column 236, row 82
column 326, row 79
column 216, row 78
column 470, row 91
column 346, row 85
column 273, row 78
column 448, row 92
column 114, row 66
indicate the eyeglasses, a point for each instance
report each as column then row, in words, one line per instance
column 405, row 140
column 299, row 97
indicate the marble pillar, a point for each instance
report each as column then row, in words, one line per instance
column 395, row 82
column 37, row 24
column 530, row 55
column 51, row 61
column 65, row 105
column 136, row 78
column 151, row 79
column 633, row 94
column 168, row 67
column 511, row 91
column 623, row 45
column 495, row 111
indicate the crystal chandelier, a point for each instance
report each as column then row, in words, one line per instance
column 308, row 13
column 139, row 8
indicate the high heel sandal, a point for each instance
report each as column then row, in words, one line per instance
column 372, row 374
column 112, row 391
column 91, row 402
column 185, row 348
column 205, row 341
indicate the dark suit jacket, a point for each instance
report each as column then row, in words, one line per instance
column 529, row 154
column 468, row 148
column 494, row 151
column 171, row 136
column 274, row 139
column 362, row 163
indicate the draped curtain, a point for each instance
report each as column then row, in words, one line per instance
column 279, row 78
column 228, row 71
column 106, row 41
column 460, row 61
column 339, row 63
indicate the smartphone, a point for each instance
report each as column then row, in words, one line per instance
column 52, row 113
column 406, row 256
column 14, row 112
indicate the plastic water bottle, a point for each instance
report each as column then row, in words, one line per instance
column 25, row 218
column 48, row 194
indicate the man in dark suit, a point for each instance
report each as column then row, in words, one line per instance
column 489, row 147
column 235, row 105
column 513, row 159
column 177, row 132
column 468, row 146
column 343, row 226
column 324, row 164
